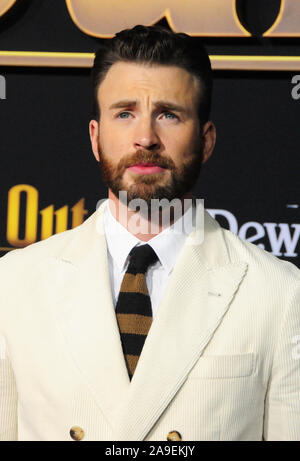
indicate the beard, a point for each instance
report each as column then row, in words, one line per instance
column 149, row 187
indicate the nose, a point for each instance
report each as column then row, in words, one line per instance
column 145, row 136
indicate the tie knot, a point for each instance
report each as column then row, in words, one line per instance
column 141, row 257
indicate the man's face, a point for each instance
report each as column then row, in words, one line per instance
column 148, row 115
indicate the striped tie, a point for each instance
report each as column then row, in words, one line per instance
column 133, row 309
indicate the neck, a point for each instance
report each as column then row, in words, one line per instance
column 146, row 226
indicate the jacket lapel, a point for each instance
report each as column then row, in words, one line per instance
column 85, row 314
column 200, row 290
column 198, row 295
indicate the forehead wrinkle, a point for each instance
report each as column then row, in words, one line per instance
column 158, row 104
column 143, row 88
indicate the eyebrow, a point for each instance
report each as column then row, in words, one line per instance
column 166, row 105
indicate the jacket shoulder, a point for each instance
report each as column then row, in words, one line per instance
column 38, row 251
column 263, row 262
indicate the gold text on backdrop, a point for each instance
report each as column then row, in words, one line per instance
column 196, row 18
column 48, row 216
column 217, row 18
column 209, row 18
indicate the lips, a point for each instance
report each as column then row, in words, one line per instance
column 146, row 168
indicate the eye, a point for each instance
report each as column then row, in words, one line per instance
column 123, row 115
column 170, row 115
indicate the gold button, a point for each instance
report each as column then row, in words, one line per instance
column 174, row 436
column 76, row 433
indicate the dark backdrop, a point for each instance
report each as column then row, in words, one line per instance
column 251, row 181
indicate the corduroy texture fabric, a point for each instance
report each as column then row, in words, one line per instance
column 133, row 309
column 221, row 364
column 8, row 400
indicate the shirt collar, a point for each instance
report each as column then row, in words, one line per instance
column 167, row 244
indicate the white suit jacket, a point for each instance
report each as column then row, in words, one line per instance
column 221, row 360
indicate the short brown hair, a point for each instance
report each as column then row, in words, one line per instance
column 155, row 45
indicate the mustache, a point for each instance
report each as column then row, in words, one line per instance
column 145, row 156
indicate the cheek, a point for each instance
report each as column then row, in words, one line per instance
column 179, row 149
column 180, row 143
column 114, row 146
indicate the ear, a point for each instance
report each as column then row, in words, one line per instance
column 209, row 137
column 94, row 137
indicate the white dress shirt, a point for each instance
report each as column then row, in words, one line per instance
column 167, row 245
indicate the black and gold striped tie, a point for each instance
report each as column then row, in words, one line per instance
column 133, row 309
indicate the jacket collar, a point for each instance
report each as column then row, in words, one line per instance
column 199, row 293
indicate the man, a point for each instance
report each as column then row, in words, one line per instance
column 120, row 330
